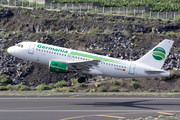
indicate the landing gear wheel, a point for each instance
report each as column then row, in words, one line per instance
column 81, row 80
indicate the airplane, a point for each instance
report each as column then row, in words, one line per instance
column 64, row 60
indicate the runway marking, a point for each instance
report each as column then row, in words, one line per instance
column 77, row 117
column 165, row 113
column 111, row 116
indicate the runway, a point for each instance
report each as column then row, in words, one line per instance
column 87, row 108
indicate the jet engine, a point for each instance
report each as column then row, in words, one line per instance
column 58, row 67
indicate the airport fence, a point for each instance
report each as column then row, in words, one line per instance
column 91, row 8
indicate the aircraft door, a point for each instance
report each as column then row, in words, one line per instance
column 31, row 49
column 132, row 69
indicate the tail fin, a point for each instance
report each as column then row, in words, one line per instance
column 156, row 56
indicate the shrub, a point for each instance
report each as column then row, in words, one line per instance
column 122, row 83
column 126, row 90
column 96, row 31
column 92, row 90
column 87, row 90
column 151, row 90
column 9, row 87
column 3, row 88
column 110, row 18
column 101, row 89
column 5, row 78
column 51, row 86
column 69, row 90
column 5, row 37
column 81, row 84
column 61, row 83
column 171, row 34
column 58, row 32
column 40, row 8
column 174, row 73
column 25, row 12
column 68, row 16
column 134, row 84
column 74, row 81
column 25, row 88
column 97, row 84
column 42, row 87
column 113, row 89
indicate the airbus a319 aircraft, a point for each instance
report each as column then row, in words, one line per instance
column 62, row 60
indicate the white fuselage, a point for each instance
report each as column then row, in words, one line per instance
column 43, row 53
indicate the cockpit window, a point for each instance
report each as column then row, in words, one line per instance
column 19, row 45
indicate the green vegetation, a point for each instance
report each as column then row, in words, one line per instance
column 134, row 84
column 113, row 89
column 97, row 84
column 114, row 82
column 151, row 90
column 158, row 5
column 5, row 78
column 68, row 16
column 40, row 8
column 42, row 87
column 3, row 88
column 25, row 12
column 59, row 32
column 73, row 81
column 81, row 84
column 96, row 31
column 110, row 18
column 171, row 34
column 61, row 83
column 101, row 89
column 69, row 90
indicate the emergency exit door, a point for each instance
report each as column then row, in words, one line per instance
column 132, row 69
column 31, row 49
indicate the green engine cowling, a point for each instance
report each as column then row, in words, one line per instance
column 57, row 67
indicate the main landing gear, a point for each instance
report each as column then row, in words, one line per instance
column 81, row 80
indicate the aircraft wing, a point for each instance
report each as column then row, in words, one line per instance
column 77, row 65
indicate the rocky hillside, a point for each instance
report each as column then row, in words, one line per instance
column 122, row 37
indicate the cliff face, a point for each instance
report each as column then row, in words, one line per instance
column 121, row 37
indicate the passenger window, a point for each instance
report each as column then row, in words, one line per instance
column 44, row 50
column 111, row 64
column 39, row 49
column 49, row 51
column 36, row 49
column 64, row 54
column 57, row 53
column 52, row 52
column 21, row 46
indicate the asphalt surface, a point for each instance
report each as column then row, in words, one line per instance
column 85, row 108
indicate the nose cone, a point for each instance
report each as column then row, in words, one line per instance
column 9, row 50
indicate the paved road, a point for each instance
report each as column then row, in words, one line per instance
column 87, row 108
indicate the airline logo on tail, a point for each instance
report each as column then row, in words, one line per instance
column 159, row 53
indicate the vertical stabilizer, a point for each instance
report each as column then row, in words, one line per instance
column 157, row 56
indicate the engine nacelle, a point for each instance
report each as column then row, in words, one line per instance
column 58, row 67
